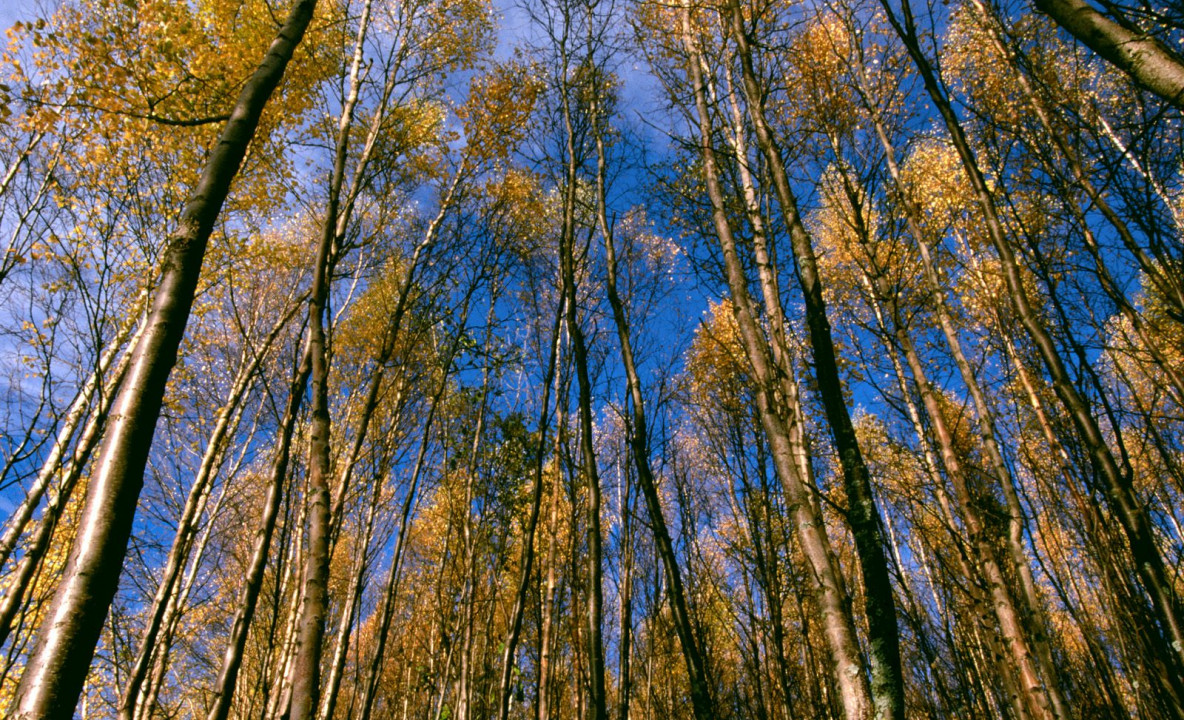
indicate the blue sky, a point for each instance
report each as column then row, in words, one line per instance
column 13, row 10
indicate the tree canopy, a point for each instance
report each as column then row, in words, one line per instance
column 581, row 359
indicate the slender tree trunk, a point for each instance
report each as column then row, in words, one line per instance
column 1158, row 273
column 174, row 608
column 353, row 601
column 14, row 165
column 464, row 689
column 756, row 509
column 941, row 707
column 625, row 593
column 386, row 609
column 639, row 445
column 780, row 355
column 1036, row 691
column 314, row 605
column 58, row 665
column 595, row 618
column 847, row 669
column 547, row 631
column 10, row 254
column 575, row 620
column 146, row 705
column 887, row 680
column 288, row 562
column 1117, row 480
column 223, row 693
column 1040, row 695
column 1028, row 599
column 279, row 696
column 514, row 632
column 349, row 607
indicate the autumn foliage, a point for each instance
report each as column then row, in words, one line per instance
column 456, row 359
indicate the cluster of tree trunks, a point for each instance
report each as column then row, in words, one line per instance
column 920, row 456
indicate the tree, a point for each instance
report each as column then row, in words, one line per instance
column 53, row 679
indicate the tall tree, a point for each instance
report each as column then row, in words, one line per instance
column 53, row 679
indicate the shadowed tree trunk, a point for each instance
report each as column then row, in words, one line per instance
column 595, row 639
column 639, row 444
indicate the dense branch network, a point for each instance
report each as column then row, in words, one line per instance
column 592, row 359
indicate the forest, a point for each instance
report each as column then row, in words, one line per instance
column 591, row 359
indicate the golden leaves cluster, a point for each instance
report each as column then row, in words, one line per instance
column 496, row 115
column 526, row 214
column 717, row 370
column 820, row 62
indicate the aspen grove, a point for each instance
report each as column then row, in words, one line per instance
column 591, row 359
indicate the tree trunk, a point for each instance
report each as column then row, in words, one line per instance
column 1041, row 696
column 253, row 583
column 547, row 631
column 595, row 618
column 1148, row 62
column 1117, row 480
column 848, row 669
column 625, row 592
column 464, row 690
column 887, row 680
column 639, row 445
column 58, row 665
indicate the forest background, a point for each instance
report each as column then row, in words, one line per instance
column 577, row 358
